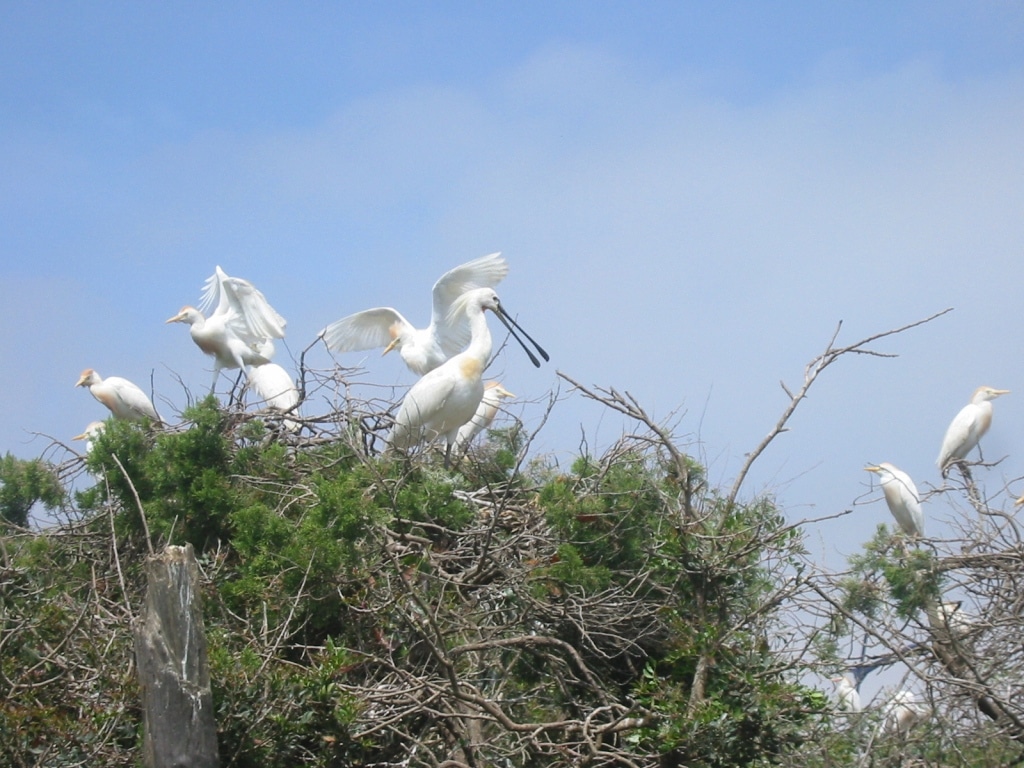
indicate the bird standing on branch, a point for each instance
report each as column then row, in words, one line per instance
column 903, row 712
column 902, row 497
column 849, row 698
column 240, row 330
column 968, row 427
column 447, row 397
column 124, row 399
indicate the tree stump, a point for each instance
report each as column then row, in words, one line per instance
column 170, row 648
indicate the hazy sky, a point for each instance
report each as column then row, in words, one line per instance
column 690, row 195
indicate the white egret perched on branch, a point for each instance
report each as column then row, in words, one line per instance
column 422, row 349
column 447, row 397
column 949, row 616
column 92, row 431
column 241, row 328
column 849, row 698
column 124, row 399
column 902, row 497
column 494, row 393
column 968, row 427
column 903, row 712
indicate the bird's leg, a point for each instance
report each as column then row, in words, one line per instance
column 236, row 398
column 448, row 456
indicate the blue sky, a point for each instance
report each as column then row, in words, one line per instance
column 690, row 195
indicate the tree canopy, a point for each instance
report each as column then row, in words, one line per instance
column 381, row 610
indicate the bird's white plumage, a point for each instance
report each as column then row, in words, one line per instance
column 494, row 393
column 235, row 294
column 422, row 349
column 901, row 496
column 849, row 698
column 903, row 711
column 949, row 616
column 275, row 390
column 968, row 427
column 239, row 332
column 274, row 386
column 124, row 399
column 92, row 431
column 447, row 397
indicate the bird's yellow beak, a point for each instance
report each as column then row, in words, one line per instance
column 1001, row 391
column 176, row 319
column 82, row 436
column 872, row 469
column 81, row 381
column 394, row 343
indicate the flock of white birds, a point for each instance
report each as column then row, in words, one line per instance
column 905, row 709
column 237, row 326
column 452, row 401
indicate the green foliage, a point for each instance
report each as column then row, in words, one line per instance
column 277, row 715
column 357, row 606
column 65, row 655
column 909, row 575
column 23, row 483
column 494, row 461
column 607, row 515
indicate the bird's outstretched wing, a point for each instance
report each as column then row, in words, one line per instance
column 240, row 298
column 369, row 329
column 452, row 332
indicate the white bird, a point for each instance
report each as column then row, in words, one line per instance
column 902, row 497
column 447, row 397
column 276, row 389
column 949, row 617
column 968, row 427
column 92, row 431
column 241, row 328
column 422, row 349
column 849, row 698
column 903, row 711
column 124, row 399
column 494, row 393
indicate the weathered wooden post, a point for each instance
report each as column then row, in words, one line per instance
column 170, row 648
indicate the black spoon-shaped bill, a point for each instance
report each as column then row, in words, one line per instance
column 513, row 326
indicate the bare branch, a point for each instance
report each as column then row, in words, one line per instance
column 811, row 372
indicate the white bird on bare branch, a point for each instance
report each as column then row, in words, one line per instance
column 968, row 427
column 124, row 399
column 902, row 497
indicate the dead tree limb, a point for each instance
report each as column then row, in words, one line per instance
column 811, row 372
